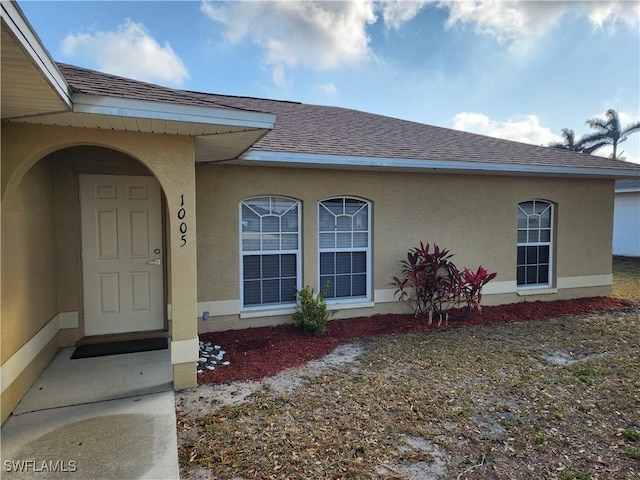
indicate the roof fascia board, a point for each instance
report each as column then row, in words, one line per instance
column 26, row 36
column 124, row 107
column 422, row 164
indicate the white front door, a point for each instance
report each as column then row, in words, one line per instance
column 121, row 254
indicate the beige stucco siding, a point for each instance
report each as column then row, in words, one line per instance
column 585, row 227
column 29, row 294
column 472, row 215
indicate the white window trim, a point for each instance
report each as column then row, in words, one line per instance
column 348, row 302
column 539, row 288
column 356, row 302
column 267, row 311
column 262, row 310
column 535, row 290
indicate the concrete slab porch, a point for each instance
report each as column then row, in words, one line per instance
column 97, row 418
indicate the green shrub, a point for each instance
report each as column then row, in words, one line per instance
column 312, row 312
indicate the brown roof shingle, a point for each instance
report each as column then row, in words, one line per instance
column 326, row 130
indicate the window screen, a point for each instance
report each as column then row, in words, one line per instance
column 535, row 225
column 344, row 244
column 270, row 250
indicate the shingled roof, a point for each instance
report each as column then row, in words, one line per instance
column 334, row 131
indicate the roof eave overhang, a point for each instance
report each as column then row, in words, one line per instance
column 219, row 133
column 428, row 165
column 235, row 130
column 19, row 27
column 132, row 108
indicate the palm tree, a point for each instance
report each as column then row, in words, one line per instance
column 570, row 143
column 609, row 132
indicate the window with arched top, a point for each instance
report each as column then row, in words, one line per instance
column 535, row 244
column 344, row 230
column 270, row 251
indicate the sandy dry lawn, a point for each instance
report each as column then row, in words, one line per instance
column 558, row 399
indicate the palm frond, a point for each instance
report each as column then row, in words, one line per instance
column 629, row 129
column 608, row 132
column 592, row 148
column 598, row 124
column 594, row 138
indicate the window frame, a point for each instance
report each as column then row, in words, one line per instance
column 550, row 243
column 261, row 252
column 367, row 297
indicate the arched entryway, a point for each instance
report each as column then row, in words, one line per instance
column 110, row 245
column 55, row 174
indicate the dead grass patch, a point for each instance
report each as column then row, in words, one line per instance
column 481, row 402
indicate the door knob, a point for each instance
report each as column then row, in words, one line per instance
column 154, row 262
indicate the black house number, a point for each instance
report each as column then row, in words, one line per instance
column 182, row 213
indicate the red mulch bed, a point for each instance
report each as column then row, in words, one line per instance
column 256, row 353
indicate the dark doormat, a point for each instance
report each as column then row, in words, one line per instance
column 118, row 348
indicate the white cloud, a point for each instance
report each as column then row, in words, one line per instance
column 396, row 13
column 509, row 20
column 329, row 89
column 603, row 13
column 278, row 76
column 505, row 20
column 315, row 34
column 129, row 51
column 526, row 129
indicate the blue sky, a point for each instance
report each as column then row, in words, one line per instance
column 520, row 70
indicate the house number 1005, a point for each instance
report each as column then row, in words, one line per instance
column 182, row 213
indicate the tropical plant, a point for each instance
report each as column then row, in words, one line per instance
column 573, row 144
column 609, row 132
column 311, row 313
column 431, row 285
column 472, row 285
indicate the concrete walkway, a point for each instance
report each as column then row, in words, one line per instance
column 106, row 418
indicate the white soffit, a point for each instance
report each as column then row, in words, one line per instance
column 110, row 113
column 31, row 82
column 220, row 147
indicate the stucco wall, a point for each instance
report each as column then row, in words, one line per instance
column 472, row 215
column 626, row 224
column 29, row 293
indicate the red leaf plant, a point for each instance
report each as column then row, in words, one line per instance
column 431, row 285
column 472, row 286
